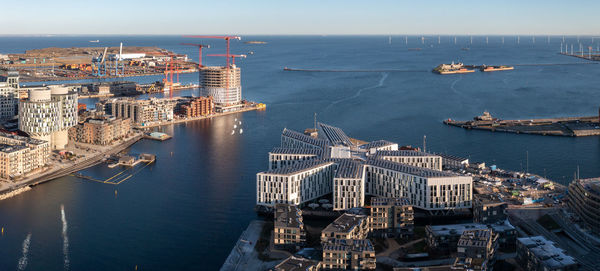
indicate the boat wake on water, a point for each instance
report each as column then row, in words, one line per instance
column 23, row 261
column 360, row 91
column 65, row 237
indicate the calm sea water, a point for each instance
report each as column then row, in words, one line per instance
column 186, row 211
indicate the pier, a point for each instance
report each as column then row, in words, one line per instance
column 567, row 126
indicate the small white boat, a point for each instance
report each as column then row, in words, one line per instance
column 235, row 119
column 241, row 131
column 240, row 123
column 233, row 132
column 95, row 41
column 234, row 126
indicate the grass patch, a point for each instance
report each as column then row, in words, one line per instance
column 547, row 222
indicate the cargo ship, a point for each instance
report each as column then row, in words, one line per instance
column 496, row 68
column 452, row 68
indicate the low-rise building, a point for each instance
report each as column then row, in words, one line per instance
column 444, row 238
column 288, row 229
column 21, row 155
column 197, row 107
column 488, row 208
column 538, row 254
column 348, row 254
column 294, row 263
column 584, row 200
column 100, row 130
column 391, row 217
column 477, row 248
column 347, row 226
column 141, row 112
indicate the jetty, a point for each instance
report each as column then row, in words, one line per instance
column 566, row 126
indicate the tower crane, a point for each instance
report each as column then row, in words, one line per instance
column 227, row 39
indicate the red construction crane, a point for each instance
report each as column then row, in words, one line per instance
column 200, row 46
column 232, row 57
column 227, row 39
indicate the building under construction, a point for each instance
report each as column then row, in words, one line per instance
column 226, row 92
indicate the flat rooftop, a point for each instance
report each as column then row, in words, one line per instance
column 488, row 199
column 287, row 215
column 458, row 229
column 476, row 238
column 6, row 148
column 546, row 251
column 345, row 223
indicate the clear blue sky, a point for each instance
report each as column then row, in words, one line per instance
column 525, row 17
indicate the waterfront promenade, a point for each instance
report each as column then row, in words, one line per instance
column 256, row 106
column 59, row 169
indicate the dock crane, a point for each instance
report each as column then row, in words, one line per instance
column 227, row 39
column 101, row 64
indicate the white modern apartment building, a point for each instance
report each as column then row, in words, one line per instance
column 20, row 155
column 426, row 189
column 372, row 169
column 296, row 184
column 413, row 158
column 48, row 113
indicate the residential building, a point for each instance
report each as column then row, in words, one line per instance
column 444, row 238
column 48, row 113
column 197, row 107
column 476, row 249
column 584, row 201
column 141, row 112
column 294, row 263
column 223, row 85
column 488, row 208
column 21, row 155
column 101, row 130
column 431, row 190
column 391, row 217
column 296, row 184
column 288, row 227
column 348, row 254
column 536, row 253
column 347, row 226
